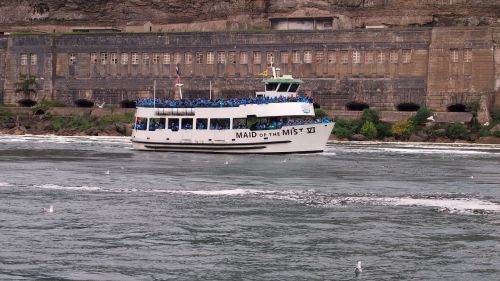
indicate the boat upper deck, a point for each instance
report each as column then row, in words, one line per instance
column 206, row 103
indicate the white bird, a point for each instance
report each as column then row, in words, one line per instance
column 226, row 163
column 430, row 118
column 107, row 172
column 486, row 124
column 471, row 177
column 283, row 161
column 50, row 209
column 358, row 269
column 101, row 105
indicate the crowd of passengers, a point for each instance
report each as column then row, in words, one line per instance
column 225, row 126
column 234, row 102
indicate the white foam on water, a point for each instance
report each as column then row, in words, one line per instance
column 64, row 139
column 74, row 188
column 415, row 148
column 5, row 184
column 459, row 205
column 452, row 205
column 223, row 192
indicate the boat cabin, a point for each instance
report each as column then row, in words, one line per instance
column 280, row 86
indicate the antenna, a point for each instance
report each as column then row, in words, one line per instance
column 154, row 93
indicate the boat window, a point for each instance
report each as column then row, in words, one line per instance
column 219, row 124
column 283, row 87
column 141, row 123
column 270, row 123
column 239, row 123
column 187, row 123
column 156, row 124
column 173, row 124
column 271, row 86
column 201, row 123
column 294, row 88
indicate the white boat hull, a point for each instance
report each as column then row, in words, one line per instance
column 288, row 139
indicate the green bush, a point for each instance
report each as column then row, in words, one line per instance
column 403, row 129
column 320, row 113
column 86, row 121
column 457, row 131
column 351, row 125
column 496, row 134
column 421, row 116
column 383, row 130
column 342, row 133
column 369, row 115
column 369, row 130
column 484, row 132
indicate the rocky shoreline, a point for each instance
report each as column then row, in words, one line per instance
column 44, row 127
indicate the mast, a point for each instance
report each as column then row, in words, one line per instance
column 154, row 93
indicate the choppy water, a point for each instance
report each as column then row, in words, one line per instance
column 408, row 212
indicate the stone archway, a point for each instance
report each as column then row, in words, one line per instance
column 127, row 104
column 26, row 102
column 457, row 107
column 356, row 106
column 408, row 107
column 84, row 103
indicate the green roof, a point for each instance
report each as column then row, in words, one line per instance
column 282, row 80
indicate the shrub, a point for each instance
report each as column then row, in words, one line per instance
column 457, row 131
column 383, row 130
column 421, row 116
column 473, row 107
column 320, row 113
column 496, row 134
column 439, row 133
column 351, row 125
column 369, row 115
column 342, row 133
column 484, row 132
column 403, row 129
column 369, row 130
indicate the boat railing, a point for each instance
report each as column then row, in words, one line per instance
column 205, row 103
column 175, row 111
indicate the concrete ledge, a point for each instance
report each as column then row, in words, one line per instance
column 68, row 111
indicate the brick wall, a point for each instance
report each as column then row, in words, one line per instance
column 382, row 68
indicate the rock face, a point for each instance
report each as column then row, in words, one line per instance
column 349, row 13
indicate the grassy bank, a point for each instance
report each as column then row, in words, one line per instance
column 418, row 128
column 12, row 122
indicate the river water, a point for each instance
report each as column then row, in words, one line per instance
column 407, row 212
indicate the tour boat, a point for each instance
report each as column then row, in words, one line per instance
column 276, row 120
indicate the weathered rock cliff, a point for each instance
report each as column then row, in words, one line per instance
column 351, row 13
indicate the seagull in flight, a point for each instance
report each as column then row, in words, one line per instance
column 107, row 172
column 50, row 209
column 358, row 269
column 101, row 105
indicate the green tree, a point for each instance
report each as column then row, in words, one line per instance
column 369, row 130
column 457, row 131
column 403, row 129
column 421, row 116
column 369, row 115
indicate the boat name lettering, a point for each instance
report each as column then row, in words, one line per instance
column 285, row 132
column 241, row 135
column 295, row 131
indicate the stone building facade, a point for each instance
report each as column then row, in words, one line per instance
column 386, row 69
